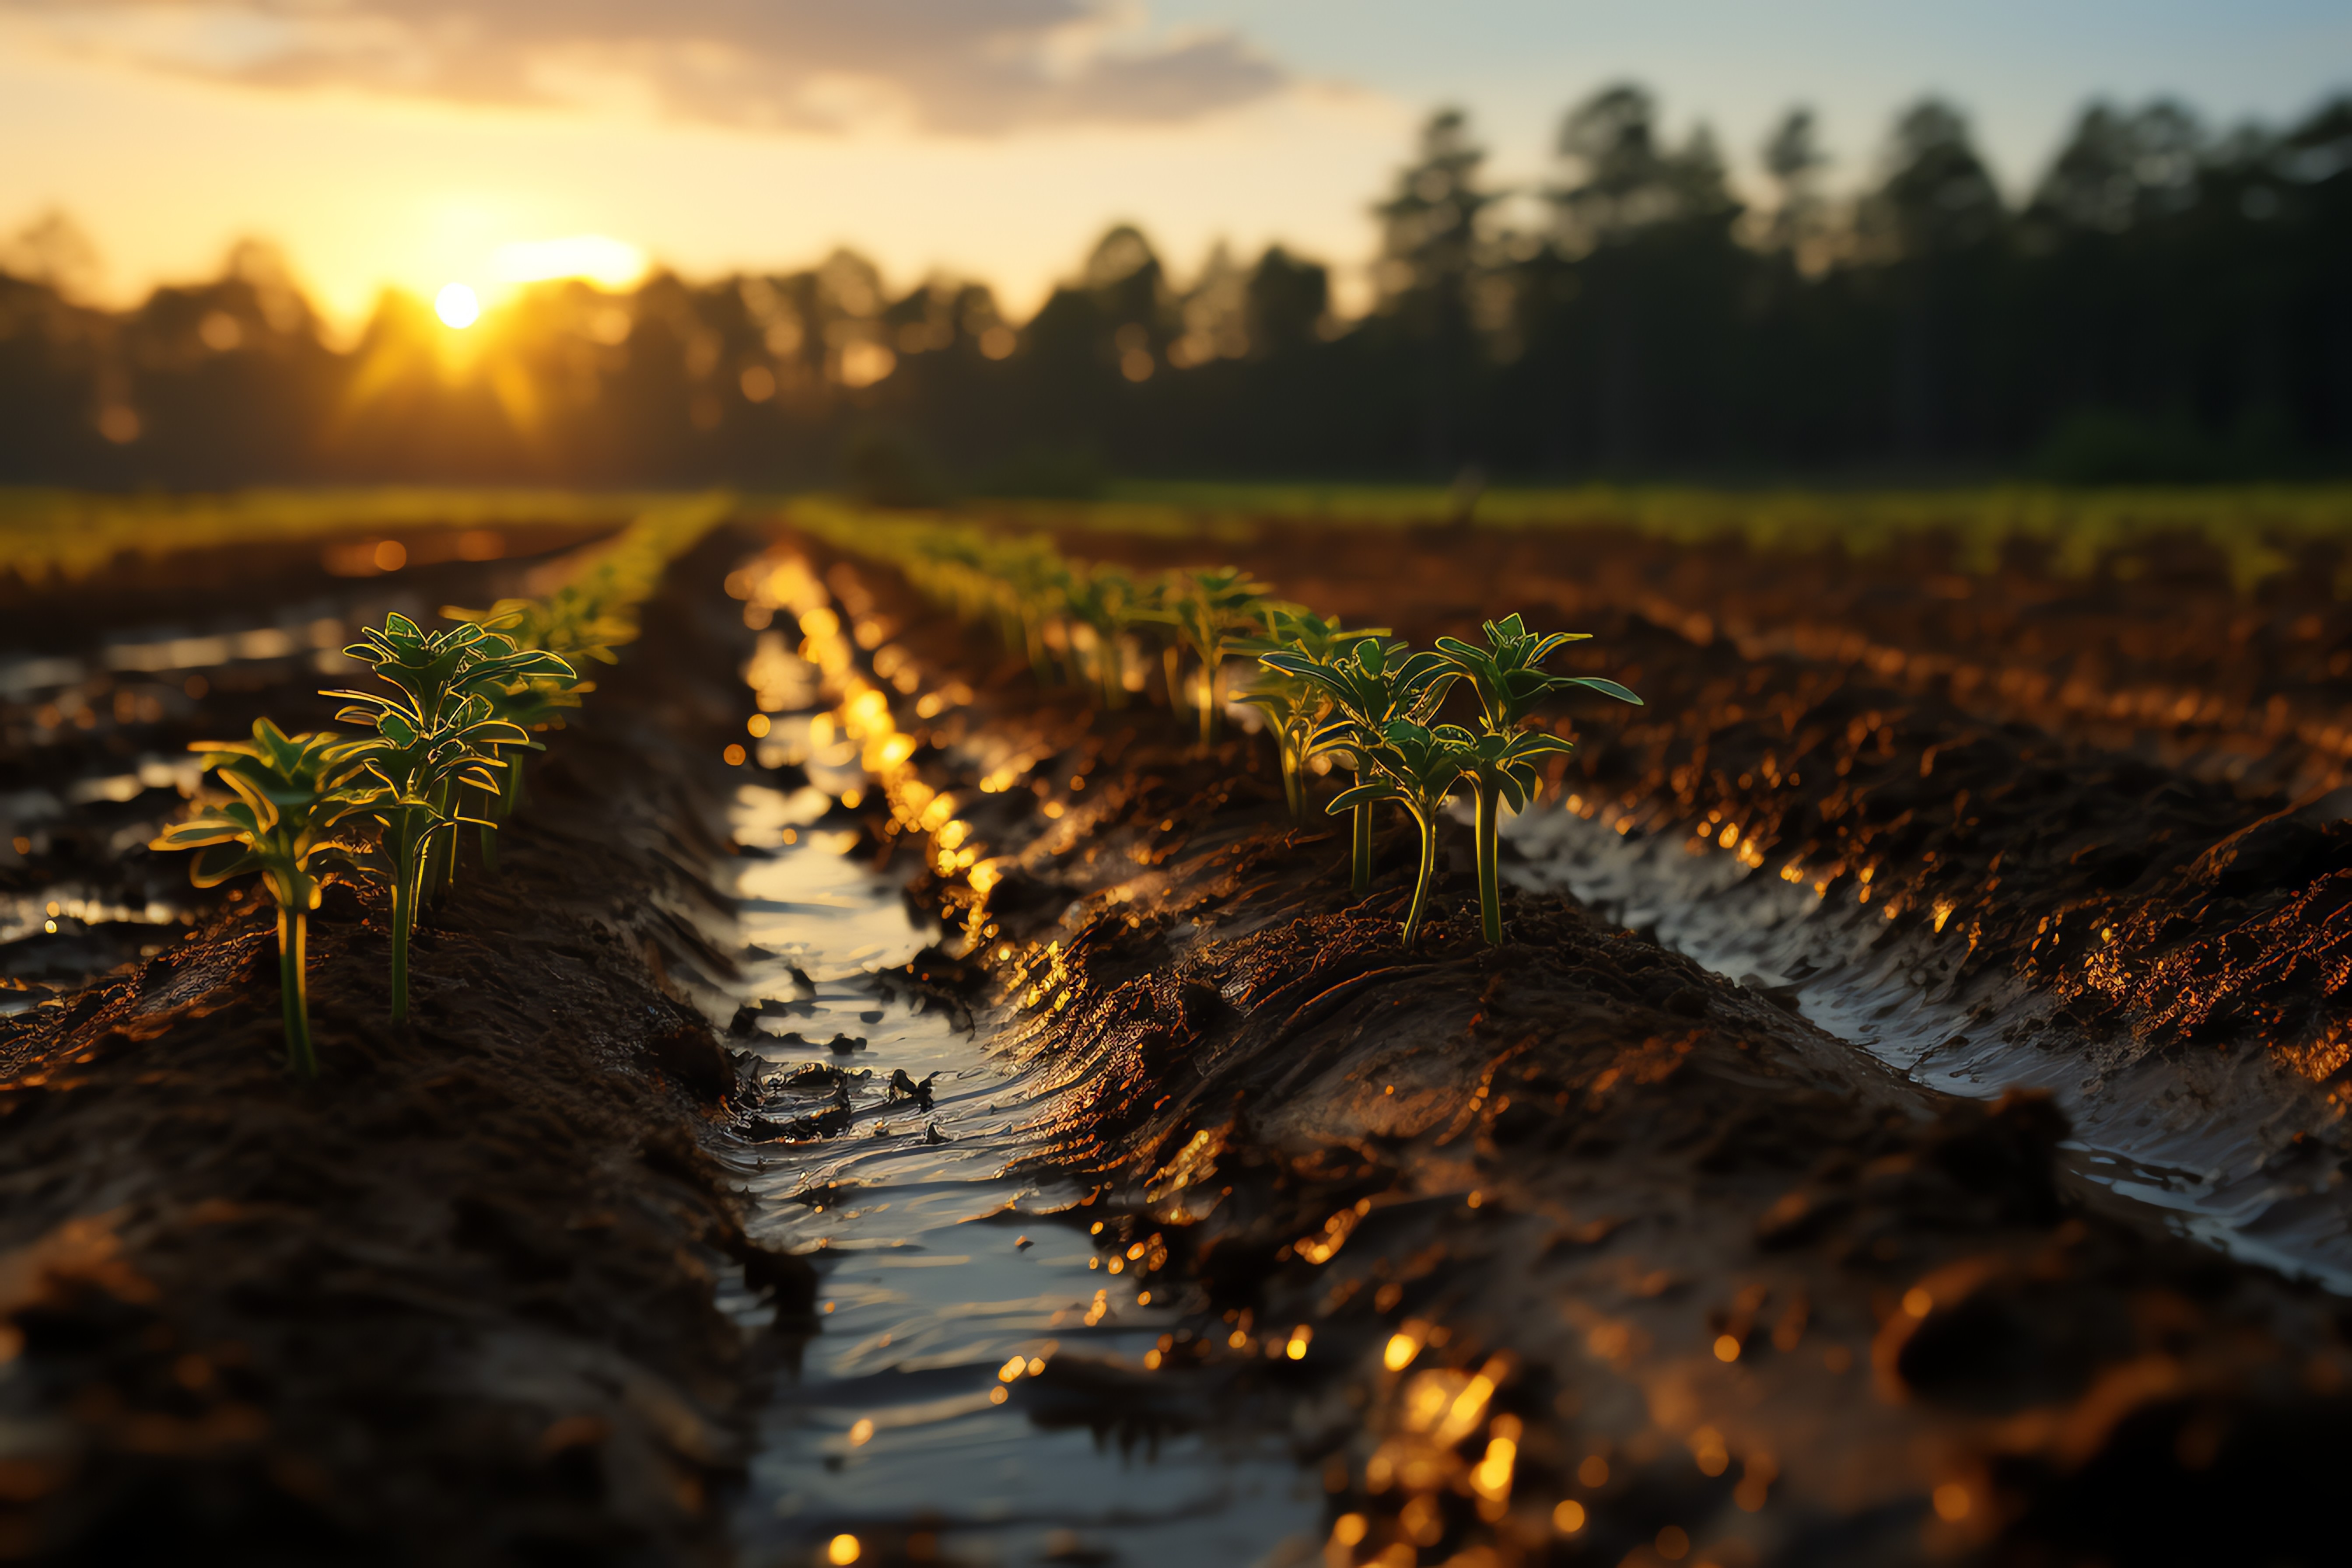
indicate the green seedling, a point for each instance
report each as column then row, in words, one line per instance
column 1509, row 679
column 293, row 793
column 1418, row 768
column 1112, row 604
column 1035, row 584
column 423, row 772
column 1371, row 683
column 438, row 735
column 568, row 623
column 1294, row 707
column 1211, row 607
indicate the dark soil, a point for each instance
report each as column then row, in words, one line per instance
column 452, row 1303
column 2115, row 798
column 1720, row 1281
column 1567, row 1251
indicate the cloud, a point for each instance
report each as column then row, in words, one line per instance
column 958, row 65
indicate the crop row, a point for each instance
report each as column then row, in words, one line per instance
column 1360, row 696
column 442, row 750
column 2258, row 532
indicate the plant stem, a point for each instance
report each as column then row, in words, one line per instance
column 1490, row 896
column 294, row 985
column 441, row 849
column 1293, row 781
column 1111, row 663
column 1033, row 635
column 1171, row 666
column 1208, row 700
column 403, row 914
column 1420, row 887
column 1360, row 858
column 491, row 801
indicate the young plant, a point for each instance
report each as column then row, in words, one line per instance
column 1111, row 602
column 1211, row 605
column 1036, row 582
column 1417, row 767
column 292, row 795
column 569, row 625
column 1509, row 679
column 438, row 734
column 1371, row 683
column 1294, row 707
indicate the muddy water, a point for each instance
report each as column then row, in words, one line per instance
column 2204, row 1144
column 925, row 1405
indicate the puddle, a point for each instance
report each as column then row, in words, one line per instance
column 948, row 1284
column 2190, row 1139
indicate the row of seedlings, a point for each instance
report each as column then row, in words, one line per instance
column 1361, row 697
column 443, row 750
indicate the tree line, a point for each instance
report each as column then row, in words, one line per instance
column 2168, row 304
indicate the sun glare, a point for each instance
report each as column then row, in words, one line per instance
column 456, row 307
column 610, row 263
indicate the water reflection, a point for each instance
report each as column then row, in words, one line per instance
column 981, row 1389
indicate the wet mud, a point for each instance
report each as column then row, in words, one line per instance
column 455, row 1301
column 1577, row 1250
column 2095, row 824
column 1600, row 1247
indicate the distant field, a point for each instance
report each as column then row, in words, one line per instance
column 47, row 533
column 2260, row 531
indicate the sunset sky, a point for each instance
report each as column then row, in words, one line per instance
column 418, row 142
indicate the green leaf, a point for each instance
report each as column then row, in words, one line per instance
column 1364, row 794
column 1606, row 687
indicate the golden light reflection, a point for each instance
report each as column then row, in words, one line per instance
column 842, row 1550
column 1491, row 1479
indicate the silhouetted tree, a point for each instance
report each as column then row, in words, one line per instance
column 1935, row 221
column 1793, row 157
column 1287, row 302
column 1430, row 251
column 2168, row 304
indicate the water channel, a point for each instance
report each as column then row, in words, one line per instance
column 916, row 1418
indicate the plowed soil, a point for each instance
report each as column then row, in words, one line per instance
column 453, row 1301
column 1575, row 1251
column 1568, row 1251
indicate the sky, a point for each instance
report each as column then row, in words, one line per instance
column 413, row 143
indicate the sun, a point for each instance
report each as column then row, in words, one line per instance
column 458, row 307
